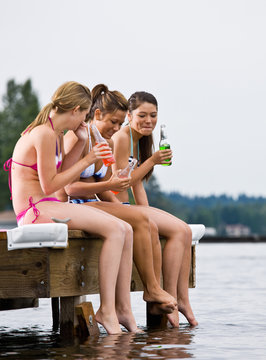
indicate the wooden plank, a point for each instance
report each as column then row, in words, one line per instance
column 74, row 270
column 47, row 272
column 86, row 318
column 23, row 273
column 192, row 275
column 18, row 303
column 67, row 313
column 55, row 313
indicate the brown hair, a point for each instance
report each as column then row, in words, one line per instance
column 146, row 145
column 106, row 101
column 66, row 98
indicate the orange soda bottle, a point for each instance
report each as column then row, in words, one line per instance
column 98, row 140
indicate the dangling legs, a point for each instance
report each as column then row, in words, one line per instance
column 113, row 232
column 142, row 250
column 176, row 260
column 122, row 299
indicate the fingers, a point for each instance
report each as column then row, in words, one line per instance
column 102, row 151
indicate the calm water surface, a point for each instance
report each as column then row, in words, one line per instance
column 229, row 302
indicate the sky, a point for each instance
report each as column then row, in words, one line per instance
column 204, row 60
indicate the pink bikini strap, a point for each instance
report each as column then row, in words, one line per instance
column 51, row 122
column 36, row 212
column 7, row 167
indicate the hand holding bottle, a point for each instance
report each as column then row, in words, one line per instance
column 164, row 145
column 102, row 142
column 162, row 157
column 99, row 151
column 117, row 183
column 126, row 172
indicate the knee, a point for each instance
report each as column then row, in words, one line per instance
column 120, row 230
column 154, row 232
column 142, row 220
column 128, row 232
column 187, row 234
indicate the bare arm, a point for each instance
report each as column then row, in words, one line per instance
column 139, row 194
column 74, row 144
column 122, row 152
column 50, row 180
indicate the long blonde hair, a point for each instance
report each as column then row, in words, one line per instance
column 66, row 98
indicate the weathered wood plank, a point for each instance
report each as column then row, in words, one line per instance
column 86, row 318
column 48, row 272
column 23, row 273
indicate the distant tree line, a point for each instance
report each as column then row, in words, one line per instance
column 20, row 105
column 212, row 211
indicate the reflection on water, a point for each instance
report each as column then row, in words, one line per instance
column 157, row 344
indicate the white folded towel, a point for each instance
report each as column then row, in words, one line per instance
column 37, row 236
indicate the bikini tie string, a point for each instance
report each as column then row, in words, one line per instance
column 36, row 212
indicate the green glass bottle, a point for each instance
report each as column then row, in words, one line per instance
column 163, row 144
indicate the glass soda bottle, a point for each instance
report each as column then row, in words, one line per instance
column 126, row 172
column 164, row 144
column 98, row 140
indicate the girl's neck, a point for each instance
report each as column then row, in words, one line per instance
column 57, row 123
column 135, row 134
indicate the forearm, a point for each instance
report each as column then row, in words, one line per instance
column 140, row 195
column 139, row 173
column 108, row 196
column 54, row 183
column 73, row 155
column 81, row 188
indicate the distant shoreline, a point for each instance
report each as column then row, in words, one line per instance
column 234, row 239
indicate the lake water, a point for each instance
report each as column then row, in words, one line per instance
column 229, row 303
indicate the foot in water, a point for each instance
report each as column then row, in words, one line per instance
column 109, row 322
column 185, row 308
column 173, row 318
column 126, row 319
column 159, row 296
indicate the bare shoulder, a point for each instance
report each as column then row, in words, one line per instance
column 42, row 131
column 122, row 136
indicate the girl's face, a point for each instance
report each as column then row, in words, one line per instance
column 144, row 118
column 110, row 123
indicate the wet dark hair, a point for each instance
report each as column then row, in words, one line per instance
column 146, row 145
column 106, row 101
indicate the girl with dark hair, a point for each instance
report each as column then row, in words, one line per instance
column 39, row 168
column 135, row 140
column 107, row 113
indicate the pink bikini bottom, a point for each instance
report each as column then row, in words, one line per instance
column 20, row 216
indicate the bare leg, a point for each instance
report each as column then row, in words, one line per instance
column 176, row 260
column 113, row 231
column 142, row 250
column 123, row 303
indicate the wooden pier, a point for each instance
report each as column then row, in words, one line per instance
column 64, row 275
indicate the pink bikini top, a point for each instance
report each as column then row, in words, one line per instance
column 8, row 163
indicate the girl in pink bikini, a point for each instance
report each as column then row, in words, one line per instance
column 39, row 168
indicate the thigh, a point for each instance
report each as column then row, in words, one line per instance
column 82, row 217
column 132, row 215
